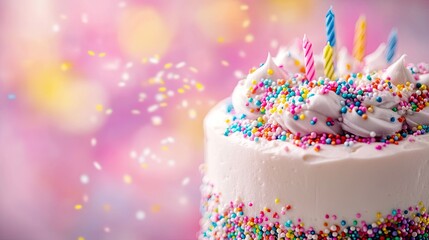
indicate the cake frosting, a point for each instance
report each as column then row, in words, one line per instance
column 346, row 158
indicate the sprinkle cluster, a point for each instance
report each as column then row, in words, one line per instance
column 358, row 93
column 231, row 222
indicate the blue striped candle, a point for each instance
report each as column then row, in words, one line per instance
column 391, row 45
column 330, row 27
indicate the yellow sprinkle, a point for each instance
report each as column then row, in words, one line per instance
column 168, row 65
column 225, row 63
column 107, row 207
column 164, row 148
column 91, row 53
column 144, row 60
column 297, row 62
column 378, row 215
column 359, row 75
column 144, row 165
column 246, row 23
column 220, row 40
column 99, row 107
column 277, row 201
column 127, row 179
column 78, row 207
column 155, row 208
column 302, row 116
column 228, row 120
column 80, row 238
column 65, row 66
column 199, row 86
column 244, row 7
column 252, row 70
column 270, row 71
column 186, row 86
column 180, row 90
column 162, row 89
column 249, row 38
column 163, row 104
column 103, row 54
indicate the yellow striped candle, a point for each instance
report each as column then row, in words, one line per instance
column 328, row 61
column 360, row 38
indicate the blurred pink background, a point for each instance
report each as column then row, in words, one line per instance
column 102, row 102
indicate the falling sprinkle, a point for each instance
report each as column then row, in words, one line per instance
column 168, row 65
column 152, row 108
column 97, row 165
column 249, row 38
column 84, row 18
column 99, row 107
column 125, row 76
column 140, row 215
column 65, row 66
column 55, row 28
column 180, row 90
column 107, row 229
column 127, row 179
column 199, row 86
column 107, row 207
column 11, row 96
column 193, row 69
column 185, row 181
column 103, row 54
column 78, row 207
column 109, row 111
column 244, row 7
column 84, row 179
column 80, row 238
column 155, row 208
column 171, row 163
column 91, row 53
column 135, row 112
column 246, row 23
column 156, row 120
column 180, row 65
column 220, row 40
column 93, row 142
column 192, row 113
column 224, row 63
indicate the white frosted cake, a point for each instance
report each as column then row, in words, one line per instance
column 288, row 157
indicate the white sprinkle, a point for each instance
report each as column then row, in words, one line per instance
column 93, row 142
column 185, row 181
column 372, row 134
column 238, row 74
column 152, row 108
column 55, row 28
column 184, row 103
column 125, row 76
column 109, row 111
column 84, row 179
column 121, row 84
column 192, row 113
column 160, row 97
column 242, row 54
column 133, row 154
column 154, row 60
column 129, row 65
column 142, row 97
column 135, row 112
column 180, row 65
column 171, row 163
column 84, row 18
column 107, row 229
column 97, row 165
column 156, row 120
column 140, row 215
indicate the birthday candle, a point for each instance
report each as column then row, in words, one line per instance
column 308, row 57
column 328, row 61
column 359, row 41
column 330, row 27
column 391, row 47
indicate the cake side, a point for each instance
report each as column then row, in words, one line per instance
column 283, row 183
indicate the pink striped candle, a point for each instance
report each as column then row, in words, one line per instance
column 309, row 60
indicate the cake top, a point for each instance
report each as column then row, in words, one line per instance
column 335, row 99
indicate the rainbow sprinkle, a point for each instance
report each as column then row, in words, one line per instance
column 231, row 222
column 267, row 97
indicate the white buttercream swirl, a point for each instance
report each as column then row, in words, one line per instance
column 398, row 73
column 248, row 88
column 319, row 106
column 376, row 60
column 381, row 121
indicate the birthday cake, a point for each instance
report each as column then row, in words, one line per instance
column 330, row 147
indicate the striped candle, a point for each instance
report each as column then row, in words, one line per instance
column 308, row 57
column 330, row 27
column 360, row 38
column 328, row 61
column 391, row 47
